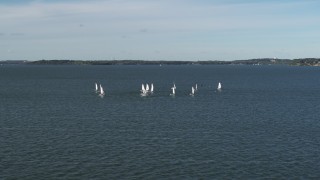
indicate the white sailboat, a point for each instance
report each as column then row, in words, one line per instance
column 151, row 89
column 147, row 87
column 192, row 91
column 196, row 89
column 101, row 91
column 173, row 91
column 143, row 90
column 96, row 86
column 173, row 88
column 219, row 86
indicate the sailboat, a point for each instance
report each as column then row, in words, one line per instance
column 219, row 86
column 192, row 91
column 96, row 85
column 101, row 91
column 196, row 89
column 151, row 89
column 147, row 87
column 173, row 91
column 143, row 90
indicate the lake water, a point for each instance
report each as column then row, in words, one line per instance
column 265, row 123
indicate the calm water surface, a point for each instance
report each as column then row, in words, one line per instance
column 263, row 124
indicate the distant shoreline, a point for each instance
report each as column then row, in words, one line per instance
column 262, row 61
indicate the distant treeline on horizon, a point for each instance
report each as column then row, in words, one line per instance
column 261, row 61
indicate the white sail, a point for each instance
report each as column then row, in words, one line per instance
column 101, row 90
column 151, row 89
column 173, row 91
column 192, row 91
column 96, row 85
column 143, row 90
column 219, row 86
column 196, row 89
column 147, row 87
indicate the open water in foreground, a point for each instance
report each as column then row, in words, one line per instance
column 265, row 123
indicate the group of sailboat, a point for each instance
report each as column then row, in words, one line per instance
column 174, row 87
column 145, row 89
column 99, row 89
column 195, row 88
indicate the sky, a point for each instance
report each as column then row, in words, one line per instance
column 159, row 29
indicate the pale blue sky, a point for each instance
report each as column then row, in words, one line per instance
column 159, row 29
